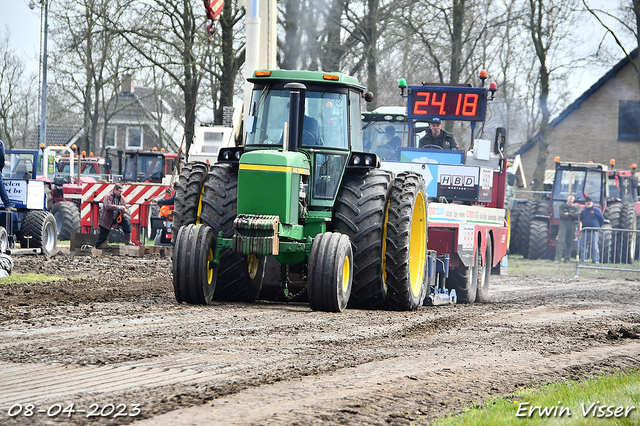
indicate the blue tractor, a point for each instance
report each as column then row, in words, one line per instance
column 31, row 226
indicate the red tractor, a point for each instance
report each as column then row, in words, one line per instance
column 611, row 191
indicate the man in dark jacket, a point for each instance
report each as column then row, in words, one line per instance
column 569, row 213
column 114, row 207
column 8, row 206
column 590, row 217
column 435, row 135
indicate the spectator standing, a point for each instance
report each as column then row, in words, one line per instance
column 569, row 214
column 590, row 217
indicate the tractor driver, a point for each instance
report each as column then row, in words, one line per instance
column 436, row 135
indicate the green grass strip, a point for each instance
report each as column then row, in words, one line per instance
column 29, row 278
column 611, row 400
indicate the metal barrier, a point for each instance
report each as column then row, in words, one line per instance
column 608, row 248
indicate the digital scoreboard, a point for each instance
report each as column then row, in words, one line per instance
column 447, row 103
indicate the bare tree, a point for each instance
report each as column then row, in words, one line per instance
column 84, row 43
column 549, row 24
column 170, row 35
column 11, row 93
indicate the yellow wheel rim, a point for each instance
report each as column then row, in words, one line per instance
column 252, row 261
column 199, row 206
column 209, row 269
column 384, row 246
column 418, row 244
column 346, row 271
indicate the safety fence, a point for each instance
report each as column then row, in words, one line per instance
column 608, row 248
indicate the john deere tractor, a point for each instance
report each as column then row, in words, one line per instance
column 302, row 191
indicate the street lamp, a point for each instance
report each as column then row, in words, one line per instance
column 43, row 114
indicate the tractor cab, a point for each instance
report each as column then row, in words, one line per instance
column 579, row 179
column 384, row 130
column 149, row 166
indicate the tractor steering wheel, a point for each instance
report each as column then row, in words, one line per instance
column 309, row 138
column 431, row 146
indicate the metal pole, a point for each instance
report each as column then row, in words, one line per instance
column 43, row 117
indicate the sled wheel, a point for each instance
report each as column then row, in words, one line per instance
column 330, row 272
column 484, row 272
column 406, row 243
column 359, row 213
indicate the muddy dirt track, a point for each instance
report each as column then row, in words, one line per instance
column 111, row 340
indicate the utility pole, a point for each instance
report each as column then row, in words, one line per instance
column 43, row 98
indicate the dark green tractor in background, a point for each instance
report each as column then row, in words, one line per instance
column 302, row 191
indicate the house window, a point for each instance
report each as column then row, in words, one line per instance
column 109, row 137
column 629, row 121
column 134, row 137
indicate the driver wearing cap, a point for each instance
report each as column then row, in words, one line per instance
column 436, row 135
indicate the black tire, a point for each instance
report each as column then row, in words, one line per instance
column 188, row 193
column 484, row 273
column 219, row 209
column 4, row 240
column 41, row 227
column 538, row 239
column 461, row 280
column 330, row 272
column 612, row 213
column 194, row 280
column 626, row 241
column 359, row 213
column 67, row 218
column 514, row 216
column 150, row 231
column 607, row 237
column 406, row 242
column 524, row 221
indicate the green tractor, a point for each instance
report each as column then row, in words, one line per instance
column 302, row 191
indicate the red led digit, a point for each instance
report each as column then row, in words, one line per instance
column 458, row 103
column 440, row 103
column 470, row 104
column 418, row 104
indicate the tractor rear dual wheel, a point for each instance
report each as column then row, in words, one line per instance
column 330, row 276
column 406, row 242
column 472, row 284
column 359, row 213
column 484, row 273
column 188, row 195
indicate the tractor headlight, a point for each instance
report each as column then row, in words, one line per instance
column 356, row 160
column 363, row 160
column 369, row 160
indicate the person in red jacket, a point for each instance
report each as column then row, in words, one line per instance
column 114, row 209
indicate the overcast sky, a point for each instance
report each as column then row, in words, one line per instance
column 24, row 26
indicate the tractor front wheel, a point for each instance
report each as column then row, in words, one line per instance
column 360, row 213
column 40, row 226
column 406, row 242
column 194, row 280
column 330, row 272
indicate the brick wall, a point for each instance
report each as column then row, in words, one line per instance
column 590, row 133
